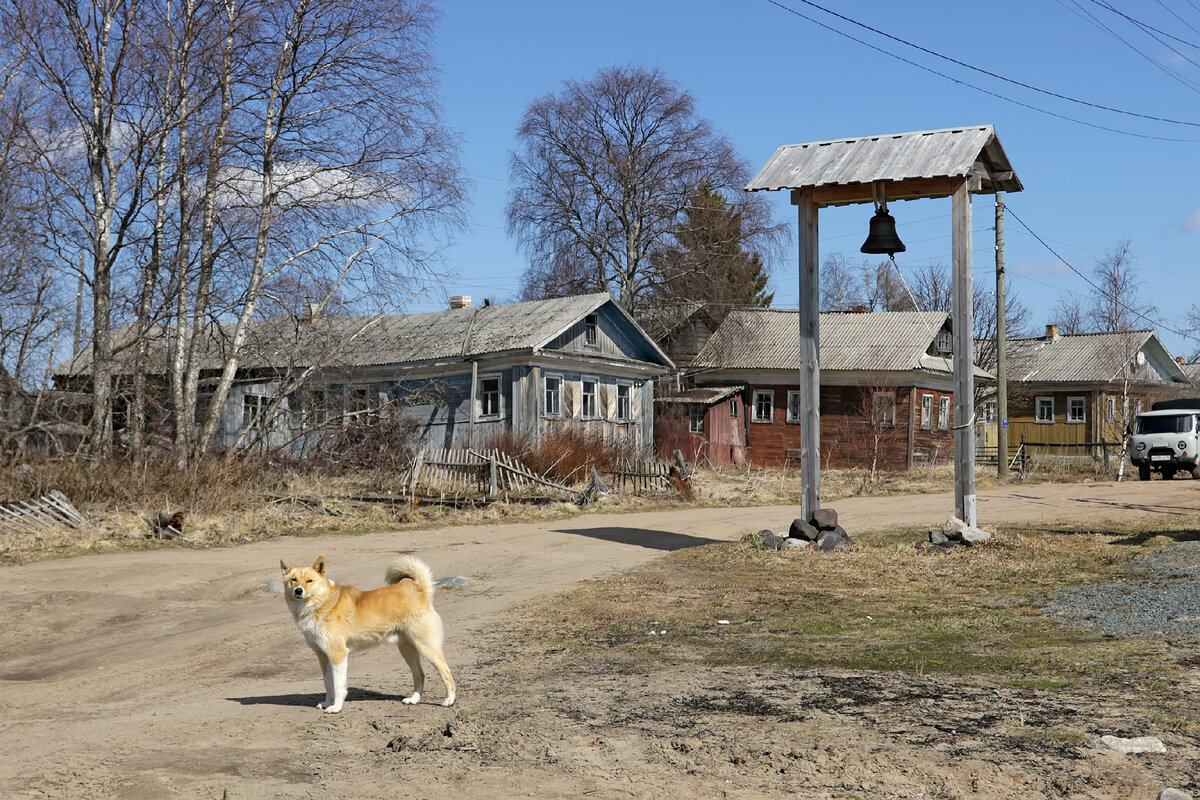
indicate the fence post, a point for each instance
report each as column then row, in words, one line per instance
column 493, row 488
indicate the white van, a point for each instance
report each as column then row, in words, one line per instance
column 1166, row 439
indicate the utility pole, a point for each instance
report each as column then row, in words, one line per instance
column 1001, row 357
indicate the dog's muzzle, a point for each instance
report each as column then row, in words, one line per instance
column 298, row 593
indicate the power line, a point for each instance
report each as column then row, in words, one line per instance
column 1158, row 323
column 997, row 76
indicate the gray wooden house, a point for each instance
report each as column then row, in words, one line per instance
column 458, row 377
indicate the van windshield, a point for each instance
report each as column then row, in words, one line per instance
column 1179, row 424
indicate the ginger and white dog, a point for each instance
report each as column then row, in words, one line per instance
column 337, row 619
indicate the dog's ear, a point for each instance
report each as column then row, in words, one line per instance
column 285, row 566
column 319, row 565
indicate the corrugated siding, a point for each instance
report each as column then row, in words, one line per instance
column 946, row 153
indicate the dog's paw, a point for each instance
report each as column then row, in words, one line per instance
column 330, row 709
column 412, row 699
column 449, row 701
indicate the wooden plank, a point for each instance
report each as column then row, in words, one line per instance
column 810, row 360
column 964, row 368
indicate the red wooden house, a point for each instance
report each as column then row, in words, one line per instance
column 887, row 386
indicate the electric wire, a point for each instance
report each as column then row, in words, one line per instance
column 982, row 90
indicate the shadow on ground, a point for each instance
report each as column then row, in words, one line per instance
column 656, row 540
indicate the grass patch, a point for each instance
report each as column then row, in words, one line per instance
column 883, row 606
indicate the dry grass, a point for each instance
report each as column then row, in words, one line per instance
column 882, row 606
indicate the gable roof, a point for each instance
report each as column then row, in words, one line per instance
column 450, row 335
column 884, row 341
column 1095, row 358
column 894, row 158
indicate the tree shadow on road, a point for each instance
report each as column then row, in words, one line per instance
column 643, row 537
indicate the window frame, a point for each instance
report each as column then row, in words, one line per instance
column 555, row 395
column 624, row 393
column 587, row 399
column 481, row 396
column 696, row 415
column 943, row 417
column 883, row 409
column 755, row 416
column 1038, row 404
column 591, row 331
column 253, row 421
column 1110, row 408
column 793, row 414
column 1079, row 401
column 926, row 419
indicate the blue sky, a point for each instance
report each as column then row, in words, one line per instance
column 765, row 77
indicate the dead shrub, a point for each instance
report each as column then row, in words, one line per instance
column 566, row 454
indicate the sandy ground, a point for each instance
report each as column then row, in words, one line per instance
column 175, row 674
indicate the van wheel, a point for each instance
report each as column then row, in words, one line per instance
column 1143, row 472
column 1168, row 474
column 1196, row 473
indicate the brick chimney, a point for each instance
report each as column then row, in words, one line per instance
column 460, row 301
column 1051, row 333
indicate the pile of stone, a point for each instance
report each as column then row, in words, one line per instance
column 953, row 533
column 822, row 532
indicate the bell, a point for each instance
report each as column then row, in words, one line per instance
column 882, row 237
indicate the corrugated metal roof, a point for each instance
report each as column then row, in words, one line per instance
column 393, row 339
column 1091, row 358
column 705, row 395
column 885, row 341
column 946, row 153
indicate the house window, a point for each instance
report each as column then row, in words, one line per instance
column 793, row 407
column 1075, row 410
column 1044, row 411
column 316, row 413
column 927, row 411
column 552, row 395
column 989, row 412
column 733, row 408
column 587, row 396
column 254, row 409
column 489, row 396
column 624, row 402
column 883, row 409
column 764, row 405
column 591, row 330
column 1110, row 408
column 696, row 421
column 944, row 413
column 945, row 342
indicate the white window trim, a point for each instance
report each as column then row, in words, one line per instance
column 692, row 419
column 546, row 377
column 628, row 416
column 591, row 325
column 754, row 417
column 499, row 414
column 943, row 419
column 1082, row 409
column 1110, row 408
column 595, row 381
column 1037, row 411
column 788, row 416
column 926, row 423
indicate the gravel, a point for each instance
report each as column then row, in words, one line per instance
column 1160, row 597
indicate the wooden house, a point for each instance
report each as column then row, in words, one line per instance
column 1075, row 393
column 458, row 378
column 706, row 424
column 887, row 386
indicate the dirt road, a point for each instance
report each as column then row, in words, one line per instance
column 175, row 674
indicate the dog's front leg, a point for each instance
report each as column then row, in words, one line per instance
column 337, row 671
column 327, row 677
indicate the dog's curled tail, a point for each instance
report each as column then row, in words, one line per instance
column 411, row 567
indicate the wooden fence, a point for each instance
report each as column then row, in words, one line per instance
column 641, row 475
column 47, row 512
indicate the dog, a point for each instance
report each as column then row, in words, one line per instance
column 337, row 619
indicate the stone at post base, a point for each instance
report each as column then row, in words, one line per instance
column 803, row 530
